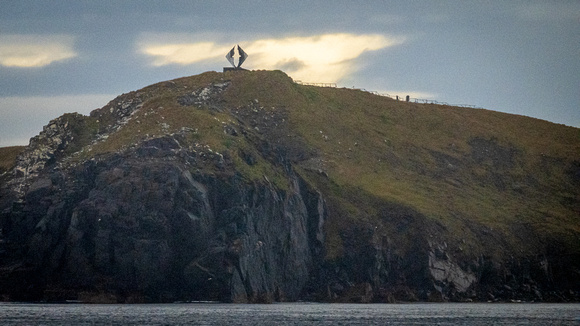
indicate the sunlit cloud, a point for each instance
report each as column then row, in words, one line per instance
column 323, row 58
column 30, row 51
column 183, row 54
column 326, row 58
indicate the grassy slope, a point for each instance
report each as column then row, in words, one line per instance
column 459, row 167
column 421, row 156
column 8, row 157
column 162, row 114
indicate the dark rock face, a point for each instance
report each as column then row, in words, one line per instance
column 145, row 225
column 149, row 225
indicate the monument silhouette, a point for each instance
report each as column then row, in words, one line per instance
column 231, row 58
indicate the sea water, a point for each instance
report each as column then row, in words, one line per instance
column 290, row 314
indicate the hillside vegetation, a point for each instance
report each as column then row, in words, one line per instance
column 457, row 166
column 471, row 185
column 8, row 157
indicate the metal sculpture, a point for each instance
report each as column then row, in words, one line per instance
column 242, row 57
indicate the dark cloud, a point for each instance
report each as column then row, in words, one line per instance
column 291, row 64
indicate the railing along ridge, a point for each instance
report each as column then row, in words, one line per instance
column 315, row 84
column 394, row 97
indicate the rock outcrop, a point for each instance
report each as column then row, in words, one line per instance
column 148, row 225
column 212, row 188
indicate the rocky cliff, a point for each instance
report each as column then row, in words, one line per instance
column 246, row 187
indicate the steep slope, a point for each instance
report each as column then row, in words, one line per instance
column 245, row 186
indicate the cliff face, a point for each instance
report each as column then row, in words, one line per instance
column 227, row 187
column 146, row 224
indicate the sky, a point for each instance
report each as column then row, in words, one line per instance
column 520, row 57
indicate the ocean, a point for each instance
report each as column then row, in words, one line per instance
column 291, row 314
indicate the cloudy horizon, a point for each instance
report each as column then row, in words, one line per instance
column 518, row 57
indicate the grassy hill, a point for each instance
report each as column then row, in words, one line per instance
column 457, row 166
column 393, row 173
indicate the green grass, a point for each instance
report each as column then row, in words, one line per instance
column 8, row 157
column 381, row 152
column 363, row 131
column 392, row 150
column 161, row 115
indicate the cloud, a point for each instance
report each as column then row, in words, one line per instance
column 321, row 58
column 184, row 54
column 385, row 19
column 29, row 51
column 550, row 11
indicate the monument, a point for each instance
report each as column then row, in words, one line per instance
column 231, row 57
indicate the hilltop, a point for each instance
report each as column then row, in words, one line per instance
column 248, row 187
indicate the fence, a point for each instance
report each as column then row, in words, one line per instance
column 316, row 84
column 394, row 97
column 420, row 100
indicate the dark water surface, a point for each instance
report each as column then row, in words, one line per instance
column 290, row 314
